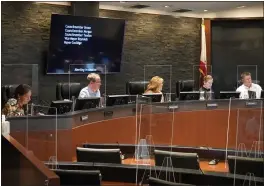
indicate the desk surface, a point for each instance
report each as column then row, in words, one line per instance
column 205, row 167
column 220, row 167
column 187, row 124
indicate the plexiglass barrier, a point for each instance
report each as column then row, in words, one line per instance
column 42, row 135
column 202, row 130
column 83, row 70
column 252, row 69
column 197, row 76
column 16, row 74
column 13, row 75
column 164, row 72
column 248, row 160
column 143, row 140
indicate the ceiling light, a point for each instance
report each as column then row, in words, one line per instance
column 241, row 6
column 166, row 6
column 205, row 10
column 122, row 1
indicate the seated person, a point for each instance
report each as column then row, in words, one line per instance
column 248, row 86
column 92, row 90
column 16, row 106
column 206, row 89
column 155, row 86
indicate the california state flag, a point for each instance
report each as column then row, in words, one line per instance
column 203, row 61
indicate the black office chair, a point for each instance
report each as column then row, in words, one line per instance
column 158, row 182
column 62, row 90
column 178, row 159
column 136, row 87
column 245, row 165
column 79, row 177
column 184, row 86
column 7, row 92
column 98, row 155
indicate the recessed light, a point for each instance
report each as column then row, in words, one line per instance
column 166, row 6
column 241, row 6
column 205, row 10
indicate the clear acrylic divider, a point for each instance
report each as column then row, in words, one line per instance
column 248, row 162
column 200, row 128
column 163, row 140
column 143, row 122
column 198, row 76
column 163, row 71
column 154, row 136
column 42, row 136
column 12, row 74
column 253, row 69
column 85, row 69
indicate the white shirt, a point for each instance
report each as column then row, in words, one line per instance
column 244, row 91
column 86, row 92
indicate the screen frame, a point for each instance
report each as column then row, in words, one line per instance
column 101, row 73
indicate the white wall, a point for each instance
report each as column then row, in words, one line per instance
column 256, row 11
column 238, row 12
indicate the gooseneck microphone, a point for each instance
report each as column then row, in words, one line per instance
column 121, row 154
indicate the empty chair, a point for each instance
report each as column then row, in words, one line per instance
column 79, row 177
column 177, row 159
column 245, row 165
column 136, row 87
column 67, row 90
column 98, row 155
column 184, row 86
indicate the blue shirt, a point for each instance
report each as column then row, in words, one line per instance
column 86, row 92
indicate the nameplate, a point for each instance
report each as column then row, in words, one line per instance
column 211, row 105
column 84, row 118
column 251, row 103
column 173, row 107
column 108, row 113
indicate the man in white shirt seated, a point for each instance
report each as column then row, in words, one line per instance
column 248, row 86
column 92, row 90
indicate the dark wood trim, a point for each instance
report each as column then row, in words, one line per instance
column 29, row 165
column 191, row 129
column 236, row 18
column 208, row 33
column 207, row 24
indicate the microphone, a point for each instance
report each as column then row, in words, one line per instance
column 121, row 154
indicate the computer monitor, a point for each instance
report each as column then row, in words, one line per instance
column 192, row 95
column 229, row 94
column 252, row 94
column 87, row 103
column 62, row 107
column 112, row 100
column 154, row 97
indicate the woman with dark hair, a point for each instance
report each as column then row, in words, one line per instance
column 15, row 106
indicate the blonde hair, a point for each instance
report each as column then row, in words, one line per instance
column 245, row 74
column 207, row 78
column 92, row 77
column 154, row 84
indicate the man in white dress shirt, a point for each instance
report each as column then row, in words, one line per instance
column 248, row 86
column 92, row 90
